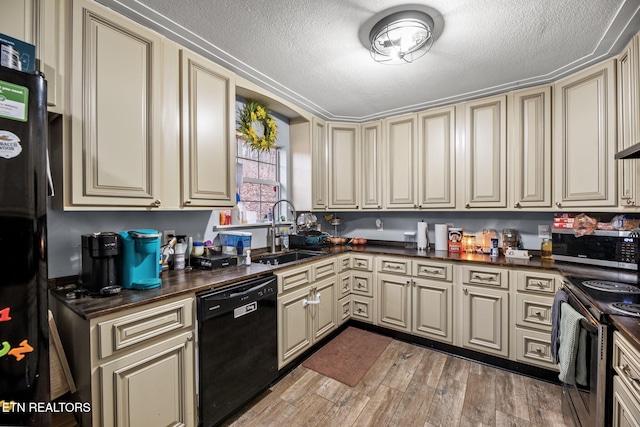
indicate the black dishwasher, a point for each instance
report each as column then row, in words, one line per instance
column 237, row 346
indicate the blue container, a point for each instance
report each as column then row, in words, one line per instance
column 140, row 259
column 235, row 242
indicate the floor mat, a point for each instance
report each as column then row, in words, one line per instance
column 348, row 356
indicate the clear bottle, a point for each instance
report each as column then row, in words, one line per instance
column 545, row 249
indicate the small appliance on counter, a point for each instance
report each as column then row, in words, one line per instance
column 605, row 248
column 213, row 262
column 140, row 260
column 99, row 254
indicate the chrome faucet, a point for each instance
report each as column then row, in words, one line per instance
column 273, row 221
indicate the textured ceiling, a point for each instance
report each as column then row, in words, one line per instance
column 311, row 52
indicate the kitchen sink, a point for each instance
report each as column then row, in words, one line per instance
column 286, row 257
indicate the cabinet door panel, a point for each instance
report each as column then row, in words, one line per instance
column 153, row 386
column 584, row 140
column 436, row 153
column 628, row 108
column 531, row 143
column 400, row 155
column 433, row 310
column 294, row 325
column 486, row 145
column 324, row 314
column 208, row 99
column 18, row 19
column 393, row 296
column 372, row 149
column 115, row 153
column 485, row 317
column 319, row 167
column 344, row 166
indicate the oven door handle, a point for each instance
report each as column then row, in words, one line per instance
column 584, row 323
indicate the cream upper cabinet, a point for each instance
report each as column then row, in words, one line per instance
column 208, row 132
column 52, row 45
column 371, row 176
column 18, row 19
column 530, row 148
column 584, row 138
column 628, row 85
column 344, row 165
column 436, row 158
column 319, row 154
column 116, row 111
column 400, row 184
column 485, row 145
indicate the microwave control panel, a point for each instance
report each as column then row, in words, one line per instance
column 627, row 249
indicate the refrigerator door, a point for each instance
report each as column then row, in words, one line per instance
column 24, row 356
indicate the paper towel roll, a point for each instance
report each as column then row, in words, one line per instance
column 442, row 236
column 423, row 241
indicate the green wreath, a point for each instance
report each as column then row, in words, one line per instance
column 256, row 115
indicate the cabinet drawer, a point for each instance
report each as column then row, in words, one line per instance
column 344, row 263
column 362, row 262
column 123, row 332
column 344, row 284
column 626, row 364
column 294, row 278
column 485, row 276
column 362, row 308
column 626, row 410
column 344, row 309
column 394, row 265
column 533, row 281
column 362, row 283
column 323, row 269
column 533, row 311
column 433, row 270
column 534, row 347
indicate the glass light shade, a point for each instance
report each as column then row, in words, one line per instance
column 401, row 37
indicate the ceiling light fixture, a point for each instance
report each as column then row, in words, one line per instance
column 401, row 37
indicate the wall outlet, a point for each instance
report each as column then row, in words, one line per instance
column 166, row 236
column 544, row 231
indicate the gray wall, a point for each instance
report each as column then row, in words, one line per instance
column 362, row 224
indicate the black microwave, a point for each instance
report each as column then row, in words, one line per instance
column 618, row 249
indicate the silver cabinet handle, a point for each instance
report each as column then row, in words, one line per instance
column 517, row 205
column 467, row 206
column 482, row 278
column 435, row 272
column 187, row 202
column 157, row 202
column 465, row 290
column 558, row 204
column 190, row 338
column 631, row 202
column 538, row 349
column 628, row 374
column 539, row 314
column 306, row 302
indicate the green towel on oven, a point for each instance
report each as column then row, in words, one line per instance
column 570, row 340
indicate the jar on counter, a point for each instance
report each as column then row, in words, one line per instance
column 546, row 249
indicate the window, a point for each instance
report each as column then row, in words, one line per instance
column 258, row 178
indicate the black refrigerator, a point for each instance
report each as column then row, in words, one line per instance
column 24, row 332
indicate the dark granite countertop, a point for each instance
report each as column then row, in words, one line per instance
column 629, row 327
column 184, row 282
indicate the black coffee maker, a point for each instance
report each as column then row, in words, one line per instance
column 99, row 269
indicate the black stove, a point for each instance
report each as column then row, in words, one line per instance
column 604, row 297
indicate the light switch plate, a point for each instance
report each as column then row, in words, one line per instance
column 544, row 231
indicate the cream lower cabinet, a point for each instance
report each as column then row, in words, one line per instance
column 532, row 294
column 393, row 293
column 432, row 300
column 626, row 386
column 135, row 367
column 485, row 309
column 308, row 298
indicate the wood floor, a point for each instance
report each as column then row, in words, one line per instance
column 408, row 386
